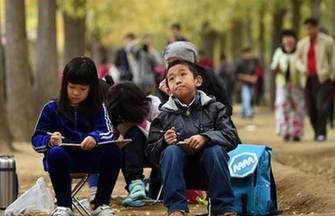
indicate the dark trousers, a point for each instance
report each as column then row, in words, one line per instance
column 105, row 160
column 179, row 170
column 318, row 99
column 133, row 155
column 134, row 160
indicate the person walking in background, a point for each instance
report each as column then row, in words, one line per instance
column 290, row 102
column 103, row 68
column 259, row 86
column 246, row 74
column 176, row 33
column 122, row 61
column 146, row 58
column 225, row 72
column 205, row 61
column 316, row 60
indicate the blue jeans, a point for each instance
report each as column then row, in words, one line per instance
column 246, row 96
column 105, row 160
column 175, row 162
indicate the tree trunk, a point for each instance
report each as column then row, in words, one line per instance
column 315, row 9
column 46, row 80
column 98, row 51
column 278, row 18
column 248, row 31
column 261, row 36
column 208, row 40
column 6, row 136
column 296, row 16
column 18, row 72
column 236, row 40
column 277, row 24
column 74, row 33
column 223, row 44
column 333, row 20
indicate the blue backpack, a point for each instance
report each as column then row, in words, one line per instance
column 252, row 180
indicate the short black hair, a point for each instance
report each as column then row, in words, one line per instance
column 311, row 21
column 127, row 103
column 192, row 67
column 287, row 33
column 176, row 26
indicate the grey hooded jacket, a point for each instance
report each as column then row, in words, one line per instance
column 205, row 116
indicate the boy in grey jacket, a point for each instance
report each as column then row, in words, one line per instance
column 190, row 140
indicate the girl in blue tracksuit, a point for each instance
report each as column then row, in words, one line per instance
column 78, row 116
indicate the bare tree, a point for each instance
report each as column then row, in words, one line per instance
column 6, row 136
column 296, row 16
column 74, row 31
column 248, row 31
column 223, row 43
column 98, row 51
column 333, row 22
column 261, row 35
column 236, row 39
column 46, row 80
column 277, row 23
column 18, row 72
column 315, row 9
column 208, row 39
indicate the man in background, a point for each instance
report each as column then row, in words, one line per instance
column 316, row 61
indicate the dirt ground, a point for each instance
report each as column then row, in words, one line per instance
column 304, row 172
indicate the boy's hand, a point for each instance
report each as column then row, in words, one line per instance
column 163, row 87
column 88, row 143
column 170, row 136
column 55, row 139
column 196, row 142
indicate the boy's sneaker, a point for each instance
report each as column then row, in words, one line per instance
column 321, row 138
column 103, row 210
column 62, row 211
column 136, row 194
column 92, row 192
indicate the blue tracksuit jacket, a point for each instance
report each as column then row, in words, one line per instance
column 51, row 120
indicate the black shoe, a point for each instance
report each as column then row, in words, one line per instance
column 287, row 138
column 296, row 139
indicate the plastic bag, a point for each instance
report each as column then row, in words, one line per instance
column 36, row 199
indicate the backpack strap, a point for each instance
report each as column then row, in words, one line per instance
column 273, row 191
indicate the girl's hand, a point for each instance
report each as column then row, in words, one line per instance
column 55, row 139
column 170, row 136
column 196, row 142
column 88, row 143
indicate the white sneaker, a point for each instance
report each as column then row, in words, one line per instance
column 62, row 211
column 103, row 210
column 92, row 192
column 321, row 138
